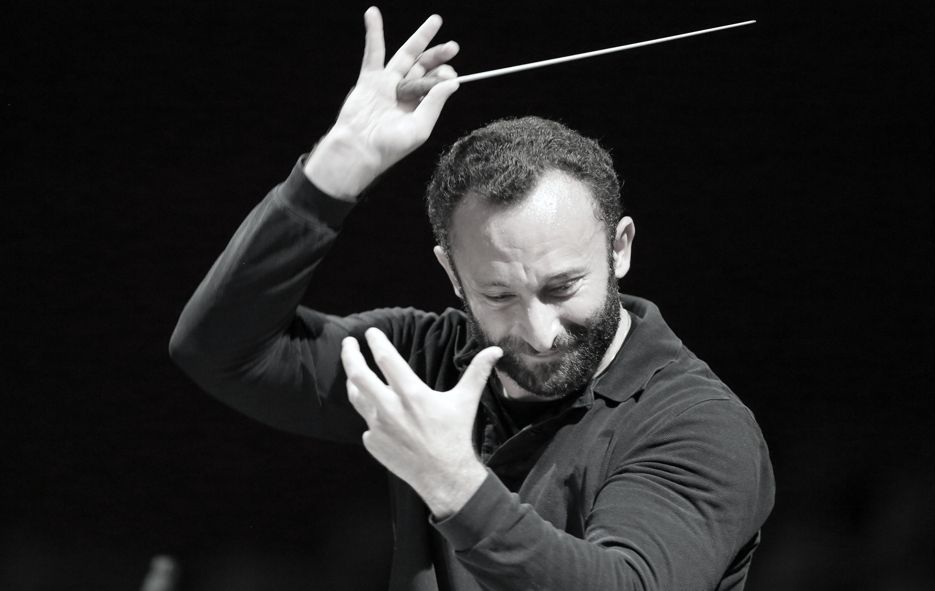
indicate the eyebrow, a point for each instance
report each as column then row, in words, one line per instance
column 557, row 278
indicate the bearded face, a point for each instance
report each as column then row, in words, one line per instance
column 578, row 351
column 538, row 278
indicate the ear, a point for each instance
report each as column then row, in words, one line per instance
column 445, row 262
column 623, row 246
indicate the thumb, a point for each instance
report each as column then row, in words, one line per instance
column 431, row 106
column 475, row 377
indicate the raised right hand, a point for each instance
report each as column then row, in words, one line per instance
column 376, row 127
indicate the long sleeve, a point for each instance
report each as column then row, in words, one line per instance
column 681, row 512
column 245, row 339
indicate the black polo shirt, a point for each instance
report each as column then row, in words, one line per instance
column 655, row 477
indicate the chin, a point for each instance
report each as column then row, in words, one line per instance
column 549, row 381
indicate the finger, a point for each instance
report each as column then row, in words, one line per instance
column 431, row 106
column 410, row 91
column 415, row 72
column 414, row 46
column 361, row 376
column 361, row 404
column 440, row 54
column 397, row 372
column 444, row 72
column 475, row 376
column 431, row 59
column 375, row 444
column 374, row 49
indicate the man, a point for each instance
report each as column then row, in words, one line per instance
column 553, row 435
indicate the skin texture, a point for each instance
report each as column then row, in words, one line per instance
column 536, row 281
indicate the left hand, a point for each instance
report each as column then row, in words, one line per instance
column 421, row 435
column 390, row 112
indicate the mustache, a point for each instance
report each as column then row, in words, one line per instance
column 567, row 340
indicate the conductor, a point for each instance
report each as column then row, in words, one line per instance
column 552, row 434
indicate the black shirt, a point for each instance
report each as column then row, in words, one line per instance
column 655, row 477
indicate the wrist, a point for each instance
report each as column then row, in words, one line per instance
column 450, row 492
column 341, row 166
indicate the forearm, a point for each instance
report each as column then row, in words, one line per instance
column 250, row 295
column 676, row 512
column 506, row 545
column 248, row 299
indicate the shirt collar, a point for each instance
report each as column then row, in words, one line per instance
column 649, row 346
column 465, row 348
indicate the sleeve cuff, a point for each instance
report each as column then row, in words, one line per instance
column 301, row 196
column 491, row 509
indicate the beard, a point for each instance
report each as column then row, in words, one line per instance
column 580, row 348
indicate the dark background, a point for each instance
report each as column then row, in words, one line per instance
column 781, row 180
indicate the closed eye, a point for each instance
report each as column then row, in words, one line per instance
column 498, row 297
column 565, row 289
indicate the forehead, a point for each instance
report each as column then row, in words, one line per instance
column 554, row 226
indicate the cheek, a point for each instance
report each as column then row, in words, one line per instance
column 585, row 305
column 495, row 323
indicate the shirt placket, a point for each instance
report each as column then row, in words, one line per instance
column 511, row 455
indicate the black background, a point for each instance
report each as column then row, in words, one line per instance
column 781, row 180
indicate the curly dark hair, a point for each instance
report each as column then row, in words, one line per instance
column 502, row 161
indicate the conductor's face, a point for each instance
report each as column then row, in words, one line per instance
column 539, row 279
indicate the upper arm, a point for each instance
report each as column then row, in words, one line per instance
column 684, row 502
column 244, row 337
column 296, row 382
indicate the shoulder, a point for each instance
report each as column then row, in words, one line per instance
column 691, row 428
column 688, row 419
column 684, row 382
column 654, row 372
column 675, row 421
column 686, row 399
column 661, row 392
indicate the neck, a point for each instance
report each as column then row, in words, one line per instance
column 623, row 328
column 514, row 391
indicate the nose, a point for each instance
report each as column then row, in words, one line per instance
column 542, row 326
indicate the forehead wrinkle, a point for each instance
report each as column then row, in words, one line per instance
column 531, row 273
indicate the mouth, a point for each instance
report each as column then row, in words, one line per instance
column 542, row 357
